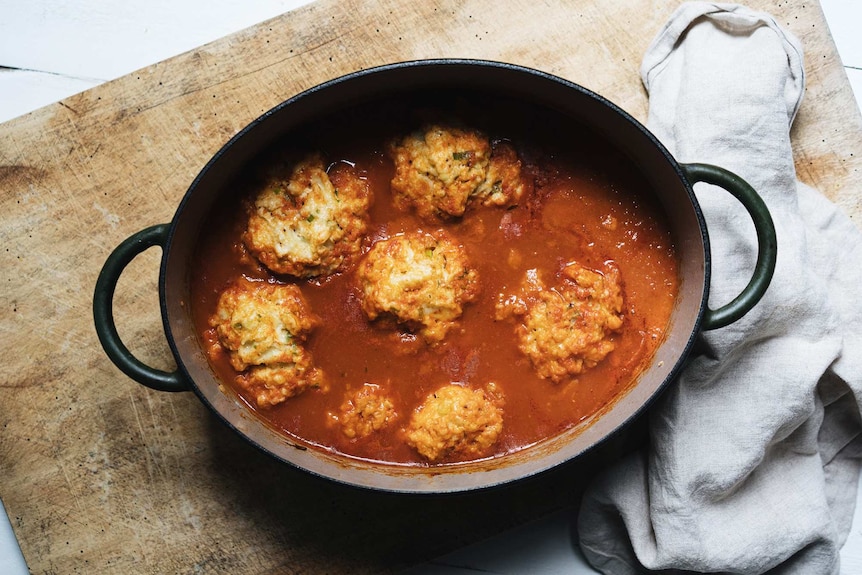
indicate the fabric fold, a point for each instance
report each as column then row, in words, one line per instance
column 754, row 452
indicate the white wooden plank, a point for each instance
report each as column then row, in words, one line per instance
column 52, row 49
column 855, row 77
column 11, row 560
column 844, row 18
column 543, row 547
column 105, row 39
column 23, row 91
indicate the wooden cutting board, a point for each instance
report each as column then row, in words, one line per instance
column 100, row 475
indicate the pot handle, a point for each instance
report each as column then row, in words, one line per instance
column 767, row 247
column 103, row 312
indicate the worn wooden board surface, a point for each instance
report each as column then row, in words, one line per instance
column 100, row 475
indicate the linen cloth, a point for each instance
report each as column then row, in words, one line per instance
column 753, row 458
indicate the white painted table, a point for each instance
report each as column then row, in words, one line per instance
column 51, row 49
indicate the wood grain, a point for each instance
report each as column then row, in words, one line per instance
column 101, row 475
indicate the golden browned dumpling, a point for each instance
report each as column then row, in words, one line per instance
column 440, row 169
column 503, row 185
column 422, row 280
column 309, row 224
column 262, row 326
column 567, row 329
column 365, row 410
column 455, row 420
column 275, row 383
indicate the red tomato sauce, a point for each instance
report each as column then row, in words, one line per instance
column 590, row 204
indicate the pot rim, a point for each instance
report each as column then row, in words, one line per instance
column 493, row 477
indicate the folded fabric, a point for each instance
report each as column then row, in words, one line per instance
column 754, row 451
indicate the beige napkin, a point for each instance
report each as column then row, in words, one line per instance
column 754, row 452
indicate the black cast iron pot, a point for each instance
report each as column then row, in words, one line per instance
column 671, row 180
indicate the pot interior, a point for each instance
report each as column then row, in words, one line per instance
column 660, row 173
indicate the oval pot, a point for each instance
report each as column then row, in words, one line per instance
column 671, row 180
